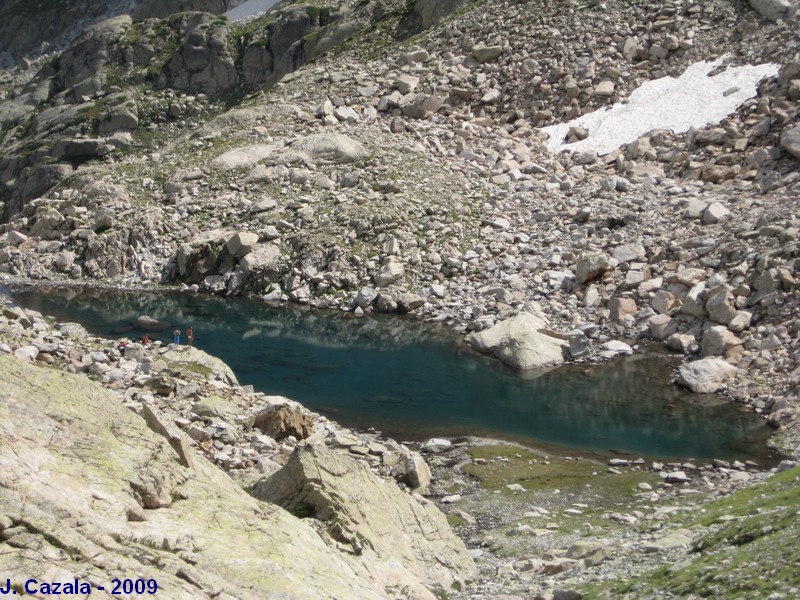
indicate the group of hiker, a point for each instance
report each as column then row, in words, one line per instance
column 176, row 336
column 148, row 343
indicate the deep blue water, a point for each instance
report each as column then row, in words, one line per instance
column 413, row 380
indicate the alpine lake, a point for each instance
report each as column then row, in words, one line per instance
column 413, row 380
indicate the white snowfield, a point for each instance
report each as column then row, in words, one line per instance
column 692, row 100
column 250, row 8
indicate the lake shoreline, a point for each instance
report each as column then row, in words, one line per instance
column 449, row 431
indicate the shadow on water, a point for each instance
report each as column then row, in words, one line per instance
column 414, row 380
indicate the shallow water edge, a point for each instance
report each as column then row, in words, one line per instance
column 414, row 380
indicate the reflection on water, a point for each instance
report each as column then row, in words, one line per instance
column 414, row 380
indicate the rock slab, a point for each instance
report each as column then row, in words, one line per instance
column 401, row 537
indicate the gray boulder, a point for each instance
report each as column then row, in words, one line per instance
column 717, row 341
column 203, row 63
column 520, row 342
column 402, row 537
column 774, row 10
column 720, row 307
column 389, row 273
column 790, row 141
column 433, row 11
column 244, row 156
column 629, row 253
column 123, row 117
column 257, row 62
column 590, row 267
column 485, row 54
column 86, row 148
column 35, row 182
column 705, row 376
column 26, row 353
column 327, row 148
column 265, row 260
column 241, row 243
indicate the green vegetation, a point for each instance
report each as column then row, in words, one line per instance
column 577, row 492
column 250, row 29
column 319, row 13
column 751, row 548
column 192, row 367
column 536, row 473
column 302, row 510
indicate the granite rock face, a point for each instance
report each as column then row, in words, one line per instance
column 398, row 537
column 433, row 11
column 87, row 490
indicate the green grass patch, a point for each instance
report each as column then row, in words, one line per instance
column 556, row 484
column 302, row 510
column 192, row 367
column 537, row 473
column 751, row 548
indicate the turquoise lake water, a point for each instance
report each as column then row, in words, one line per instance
column 412, row 380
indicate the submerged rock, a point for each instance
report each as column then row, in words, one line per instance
column 147, row 323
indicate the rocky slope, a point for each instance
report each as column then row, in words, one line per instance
column 393, row 177
column 390, row 157
column 31, row 29
column 99, row 482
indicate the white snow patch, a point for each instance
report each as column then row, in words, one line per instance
column 249, row 9
column 692, row 100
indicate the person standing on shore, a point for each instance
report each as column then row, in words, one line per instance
column 190, row 336
column 176, row 337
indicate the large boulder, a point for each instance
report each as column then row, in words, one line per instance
column 720, row 307
column 399, row 537
column 327, row 148
column 590, row 267
column 241, row 243
column 790, row 141
column 433, row 11
column 775, row 10
column 197, row 361
column 718, row 340
column 705, row 376
column 203, row 62
column 265, row 260
column 246, row 156
column 521, row 342
column 281, row 421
